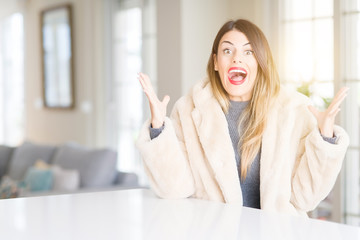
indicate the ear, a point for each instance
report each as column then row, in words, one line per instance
column 215, row 62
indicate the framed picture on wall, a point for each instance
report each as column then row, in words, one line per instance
column 57, row 57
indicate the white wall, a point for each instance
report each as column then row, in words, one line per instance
column 201, row 20
column 169, row 50
column 9, row 7
column 247, row 9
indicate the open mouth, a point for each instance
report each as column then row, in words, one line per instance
column 237, row 75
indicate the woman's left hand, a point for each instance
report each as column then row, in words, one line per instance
column 326, row 119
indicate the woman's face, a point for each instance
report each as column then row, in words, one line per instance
column 236, row 65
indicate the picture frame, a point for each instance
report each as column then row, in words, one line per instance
column 57, row 55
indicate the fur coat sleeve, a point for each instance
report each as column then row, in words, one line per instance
column 296, row 157
column 165, row 159
column 318, row 164
column 317, row 169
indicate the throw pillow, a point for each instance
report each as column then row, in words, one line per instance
column 5, row 155
column 65, row 179
column 39, row 179
column 40, row 164
column 25, row 156
column 10, row 188
column 97, row 167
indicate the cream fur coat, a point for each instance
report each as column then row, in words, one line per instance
column 194, row 156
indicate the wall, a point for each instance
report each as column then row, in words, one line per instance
column 9, row 7
column 169, row 50
column 200, row 22
column 80, row 124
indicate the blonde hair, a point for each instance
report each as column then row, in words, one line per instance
column 267, row 84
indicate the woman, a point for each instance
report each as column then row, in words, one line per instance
column 239, row 137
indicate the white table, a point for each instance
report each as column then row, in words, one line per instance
column 138, row 214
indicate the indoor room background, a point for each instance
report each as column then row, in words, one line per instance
column 315, row 44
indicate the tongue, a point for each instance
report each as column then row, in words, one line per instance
column 236, row 76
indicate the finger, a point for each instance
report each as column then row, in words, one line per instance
column 339, row 96
column 166, row 100
column 334, row 112
column 313, row 110
column 141, row 79
column 336, row 104
column 141, row 82
column 145, row 80
column 147, row 87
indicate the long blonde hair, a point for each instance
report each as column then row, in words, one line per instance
column 267, row 84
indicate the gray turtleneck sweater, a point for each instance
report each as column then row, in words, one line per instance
column 251, row 185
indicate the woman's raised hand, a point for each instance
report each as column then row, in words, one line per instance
column 157, row 107
column 326, row 119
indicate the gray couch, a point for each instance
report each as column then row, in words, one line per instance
column 88, row 169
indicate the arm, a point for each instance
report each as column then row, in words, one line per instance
column 165, row 163
column 319, row 161
column 165, row 157
column 317, row 168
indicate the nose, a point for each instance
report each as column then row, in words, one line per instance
column 237, row 59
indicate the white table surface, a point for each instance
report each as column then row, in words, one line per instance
column 139, row 214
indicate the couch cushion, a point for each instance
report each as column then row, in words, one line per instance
column 127, row 179
column 97, row 167
column 5, row 155
column 25, row 156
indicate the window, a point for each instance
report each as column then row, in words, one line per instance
column 11, row 80
column 350, row 17
column 313, row 32
column 308, row 48
column 307, row 58
column 133, row 50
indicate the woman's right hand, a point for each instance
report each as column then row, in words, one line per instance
column 157, row 107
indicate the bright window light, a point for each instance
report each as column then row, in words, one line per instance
column 12, row 80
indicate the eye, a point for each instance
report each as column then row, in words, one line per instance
column 249, row 52
column 227, row 51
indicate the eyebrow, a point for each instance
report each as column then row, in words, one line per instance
column 233, row 44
